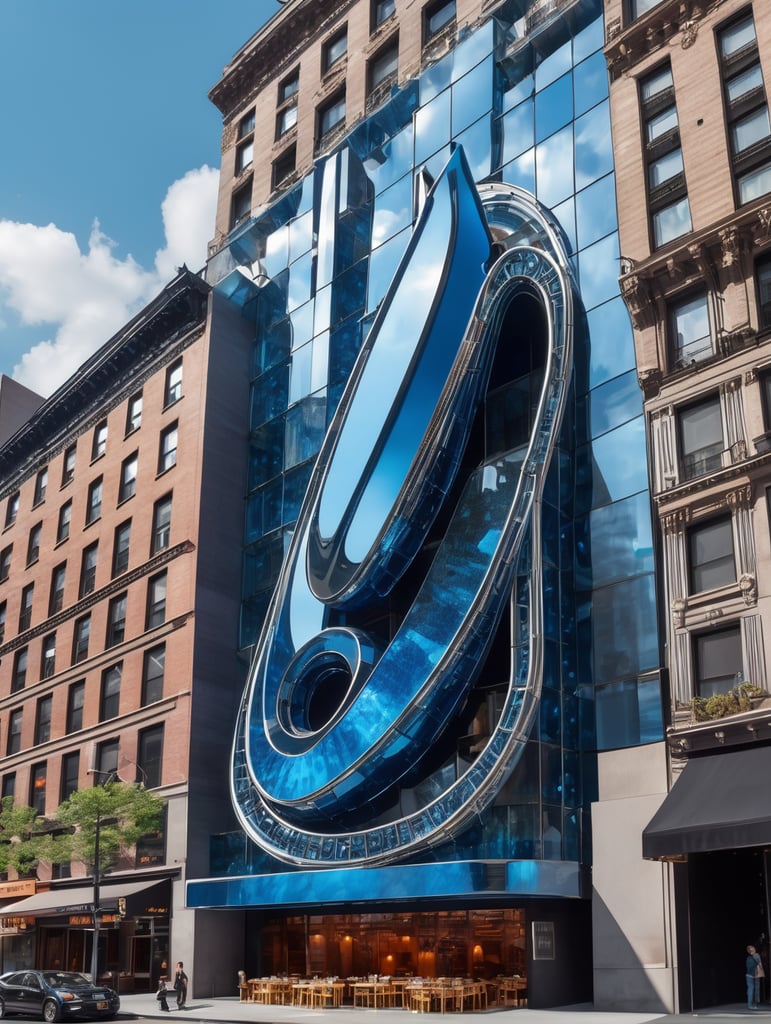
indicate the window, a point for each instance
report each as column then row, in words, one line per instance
column 109, row 703
column 167, row 457
column 152, row 674
column 717, row 661
column 161, row 524
column 246, row 124
column 19, row 675
column 94, row 505
column 330, row 116
column 43, row 719
column 37, row 788
column 383, row 67
column 640, row 7
column 5, row 563
column 334, row 50
column 701, row 438
column 134, row 414
column 763, row 284
column 381, row 11
column 106, row 761
column 150, row 756
column 12, row 510
column 88, row 570
column 128, row 478
column 746, row 107
column 3, row 606
column 689, row 330
column 289, row 87
column 711, row 555
column 68, row 465
column 48, row 657
column 69, row 775
column 76, row 696
column 63, row 526
column 667, row 197
column 156, row 601
column 14, row 731
column 116, row 621
column 284, row 166
column 436, row 17
column 9, row 785
column 244, row 156
column 173, row 391
column 99, row 443
column 120, row 549
column 241, row 204
column 25, row 609
column 33, row 544
column 286, row 119
column 80, row 637
column 41, row 485
column 56, row 597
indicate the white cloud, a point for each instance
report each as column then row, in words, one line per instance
column 80, row 299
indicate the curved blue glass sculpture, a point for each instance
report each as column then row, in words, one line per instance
column 389, row 459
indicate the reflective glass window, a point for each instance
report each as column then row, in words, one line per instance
column 437, row 16
column 640, row 7
column 335, row 49
column 554, row 167
column 598, row 271
column 521, row 171
column 672, row 221
column 553, row 107
column 472, row 96
column 476, row 145
column 625, row 609
column 614, row 542
column 432, row 126
column 594, row 152
column 613, row 466
column 596, row 210
column 737, row 36
column 629, row 713
column 590, row 83
column 382, row 265
column 665, row 167
column 701, row 438
column 755, row 184
column 553, row 65
column 518, row 130
column 711, row 555
column 689, row 326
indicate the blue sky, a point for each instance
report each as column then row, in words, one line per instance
column 109, row 159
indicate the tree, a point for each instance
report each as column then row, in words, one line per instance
column 119, row 812
column 21, row 841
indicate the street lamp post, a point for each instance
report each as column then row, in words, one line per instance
column 97, row 911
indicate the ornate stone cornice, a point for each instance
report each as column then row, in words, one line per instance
column 626, row 45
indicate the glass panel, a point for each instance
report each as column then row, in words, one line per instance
column 640, row 7
column 598, row 271
column 718, row 661
column 625, row 610
column 744, row 83
column 739, row 35
column 750, row 130
column 521, row 171
column 755, row 184
column 672, row 222
column 553, row 107
column 666, row 167
column 711, row 555
column 660, row 124
column 554, row 167
column 594, row 152
column 656, row 83
column 518, row 129
column 602, row 556
column 472, row 96
column 690, row 322
column 701, row 438
column 616, row 466
column 552, row 66
column 476, row 145
column 596, row 210
column 590, row 83
column 432, row 127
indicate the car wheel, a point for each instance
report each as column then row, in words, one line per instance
column 51, row 1011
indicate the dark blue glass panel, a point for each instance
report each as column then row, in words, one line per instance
column 570, row 733
column 650, row 702
column 518, row 77
column 435, row 79
column 349, row 293
column 300, row 373
column 473, row 49
column 554, row 167
column 382, row 266
column 619, row 714
column 432, row 127
column 521, row 171
column 589, row 40
column 344, row 345
column 553, row 107
column 596, row 211
column 299, row 290
column 269, row 395
column 598, row 267
column 390, row 161
column 472, row 96
column 320, row 362
column 615, row 542
column 305, row 427
column 617, row 466
column 295, row 485
column 393, row 211
column 550, row 717
column 272, row 346
column 571, row 836
column 590, row 83
column 553, row 65
column 612, row 344
column 265, row 452
column 263, row 512
column 625, row 610
column 551, row 774
column 518, row 127
column 594, row 152
column 570, row 778
column 302, row 324
column 608, row 406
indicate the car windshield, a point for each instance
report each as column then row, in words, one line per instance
column 65, row 979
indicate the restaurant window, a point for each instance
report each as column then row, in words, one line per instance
column 33, row 544
column 48, row 657
column 19, row 674
column 711, row 555
column 334, row 50
column 665, row 175
column 150, row 756
column 116, row 620
column 689, row 326
column 167, row 455
column 161, row 536
column 5, row 563
column 99, row 442
column 68, row 464
column 56, row 597
column 128, row 478
column 63, row 524
column 746, row 108
column 717, row 661
column 241, row 204
column 69, row 775
column 9, row 785
column 25, row 610
column 14, row 731
column 284, row 166
column 381, row 11
column 109, row 703
column 12, row 509
column 763, row 287
column 134, row 414
column 43, row 719
column 37, row 788
column 120, row 549
column 436, row 17
column 701, row 438
column 156, row 601
column 152, row 674
column 80, row 638
column 173, row 391
column 94, row 504
column 76, row 696
column 106, row 762
column 41, row 486
column 88, row 570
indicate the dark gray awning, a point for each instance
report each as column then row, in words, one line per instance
column 81, row 899
column 720, row 802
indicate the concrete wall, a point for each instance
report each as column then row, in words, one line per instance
column 632, row 903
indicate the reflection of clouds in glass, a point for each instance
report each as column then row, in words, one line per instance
column 598, row 267
column 554, row 168
column 594, row 156
column 387, row 223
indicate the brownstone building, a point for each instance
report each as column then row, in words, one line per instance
column 118, row 608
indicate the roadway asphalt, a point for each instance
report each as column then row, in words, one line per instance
column 231, row 1011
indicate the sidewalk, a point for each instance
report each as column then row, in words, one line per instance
column 230, row 1010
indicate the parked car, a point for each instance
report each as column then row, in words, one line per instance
column 55, row 995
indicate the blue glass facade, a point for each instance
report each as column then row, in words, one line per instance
column 448, row 483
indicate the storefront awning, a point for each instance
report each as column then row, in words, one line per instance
column 720, row 802
column 81, row 899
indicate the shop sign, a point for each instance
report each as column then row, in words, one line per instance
column 86, row 920
column 21, row 887
column 16, row 923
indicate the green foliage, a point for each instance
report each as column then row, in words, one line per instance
column 20, row 840
column 719, row 705
column 122, row 812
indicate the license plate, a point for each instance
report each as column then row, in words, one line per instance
column 102, row 1004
